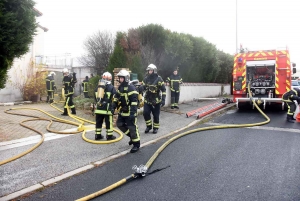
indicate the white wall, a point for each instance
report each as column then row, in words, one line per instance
column 16, row 74
column 18, row 71
column 196, row 90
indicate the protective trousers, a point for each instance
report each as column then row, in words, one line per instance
column 69, row 102
column 50, row 96
column 86, row 94
column 155, row 109
column 128, row 127
column 174, row 98
column 291, row 108
column 108, row 124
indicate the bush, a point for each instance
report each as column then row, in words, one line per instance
column 93, row 83
column 80, row 101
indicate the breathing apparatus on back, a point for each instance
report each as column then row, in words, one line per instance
column 106, row 79
column 136, row 83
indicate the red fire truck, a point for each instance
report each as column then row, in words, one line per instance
column 269, row 75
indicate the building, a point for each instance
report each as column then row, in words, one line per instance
column 17, row 73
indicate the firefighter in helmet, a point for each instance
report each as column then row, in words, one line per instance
column 84, row 85
column 174, row 81
column 68, row 87
column 155, row 95
column 126, row 100
column 50, row 85
column 288, row 98
column 104, row 110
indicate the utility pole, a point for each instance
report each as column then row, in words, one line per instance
column 236, row 26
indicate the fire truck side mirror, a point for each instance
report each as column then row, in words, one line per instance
column 294, row 67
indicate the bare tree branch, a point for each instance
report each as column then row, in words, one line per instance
column 98, row 49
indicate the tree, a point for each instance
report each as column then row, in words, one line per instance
column 17, row 29
column 118, row 58
column 178, row 49
column 226, row 67
column 99, row 48
column 152, row 39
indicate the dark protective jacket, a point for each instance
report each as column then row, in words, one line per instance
column 154, row 88
column 84, row 84
column 291, row 95
column 50, row 84
column 69, row 84
column 104, row 106
column 175, row 81
column 126, row 99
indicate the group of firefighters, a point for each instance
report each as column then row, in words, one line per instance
column 128, row 98
column 125, row 101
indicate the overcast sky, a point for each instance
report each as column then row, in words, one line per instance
column 262, row 24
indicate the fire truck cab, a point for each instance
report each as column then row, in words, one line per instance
column 266, row 72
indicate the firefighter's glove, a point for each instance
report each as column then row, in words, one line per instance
column 132, row 117
column 162, row 103
column 113, row 108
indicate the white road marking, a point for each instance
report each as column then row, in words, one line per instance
column 261, row 127
column 33, row 139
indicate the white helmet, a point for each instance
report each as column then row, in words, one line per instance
column 65, row 70
column 152, row 67
column 106, row 76
column 125, row 74
column 51, row 73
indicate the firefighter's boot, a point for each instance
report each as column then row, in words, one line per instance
column 172, row 107
column 65, row 112
column 176, row 107
column 155, row 130
column 98, row 137
column 73, row 110
column 148, row 129
column 289, row 118
column 136, row 147
column 110, row 137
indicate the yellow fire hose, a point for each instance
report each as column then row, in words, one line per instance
column 81, row 128
column 155, row 155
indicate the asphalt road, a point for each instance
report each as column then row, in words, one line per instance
column 224, row 164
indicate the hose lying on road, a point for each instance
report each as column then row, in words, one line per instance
column 81, row 128
column 143, row 171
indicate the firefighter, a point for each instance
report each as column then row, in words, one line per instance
column 126, row 100
column 104, row 110
column 174, row 81
column 68, row 86
column 50, row 85
column 155, row 95
column 84, row 85
column 288, row 98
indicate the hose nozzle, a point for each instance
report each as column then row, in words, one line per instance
column 140, row 171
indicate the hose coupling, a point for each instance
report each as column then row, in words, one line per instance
column 140, row 171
